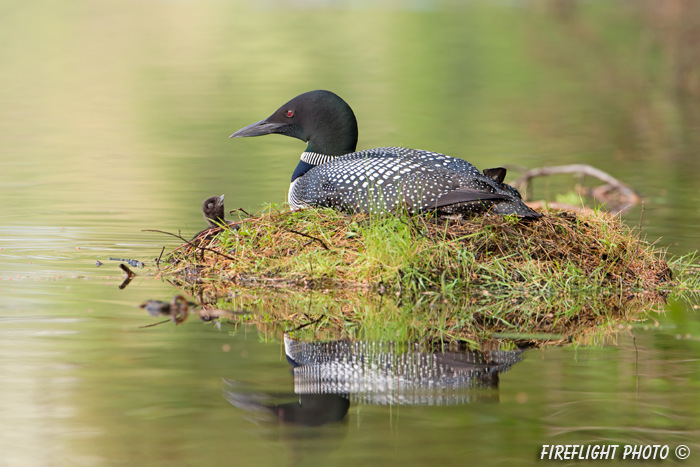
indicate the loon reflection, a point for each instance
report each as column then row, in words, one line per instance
column 328, row 376
column 382, row 373
column 306, row 410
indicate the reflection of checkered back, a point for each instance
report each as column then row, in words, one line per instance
column 384, row 373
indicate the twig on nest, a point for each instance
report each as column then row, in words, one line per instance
column 311, row 237
column 187, row 242
column 242, row 210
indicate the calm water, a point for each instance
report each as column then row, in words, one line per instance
column 114, row 118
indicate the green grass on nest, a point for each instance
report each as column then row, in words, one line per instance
column 562, row 274
column 322, row 249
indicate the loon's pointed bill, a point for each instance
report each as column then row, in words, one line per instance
column 263, row 127
column 332, row 174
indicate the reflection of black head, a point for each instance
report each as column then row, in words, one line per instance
column 313, row 409
column 305, row 410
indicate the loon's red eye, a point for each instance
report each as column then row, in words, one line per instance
column 290, row 113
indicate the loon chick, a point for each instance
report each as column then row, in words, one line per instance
column 332, row 174
column 213, row 210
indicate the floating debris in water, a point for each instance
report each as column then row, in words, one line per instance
column 157, row 260
column 177, row 309
column 131, row 262
column 209, row 314
column 129, row 276
column 156, row 307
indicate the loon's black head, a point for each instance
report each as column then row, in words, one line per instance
column 322, row 119
column 213, row 210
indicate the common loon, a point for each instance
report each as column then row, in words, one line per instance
column 332, row 174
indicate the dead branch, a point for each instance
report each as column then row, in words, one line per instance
column 584, row 170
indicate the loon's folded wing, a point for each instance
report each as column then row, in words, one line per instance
column 465, row 195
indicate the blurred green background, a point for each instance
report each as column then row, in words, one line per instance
column 125, row 107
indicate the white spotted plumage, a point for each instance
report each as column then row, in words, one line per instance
column 387, row 179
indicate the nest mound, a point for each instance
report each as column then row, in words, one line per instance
column 560, row 278
column 560, row 253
